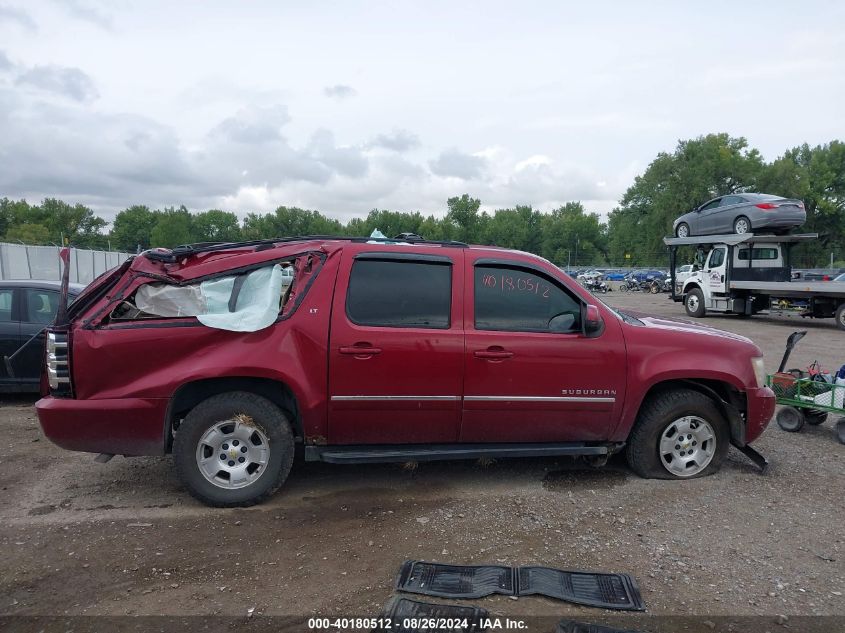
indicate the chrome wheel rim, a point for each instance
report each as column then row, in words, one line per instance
column 741, row 227
column 233, row 453
column 687, row 446
column 683, row 231
column 692, row 303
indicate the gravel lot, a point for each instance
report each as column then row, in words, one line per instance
column 80, row 538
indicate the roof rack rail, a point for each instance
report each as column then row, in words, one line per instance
column 185, row 250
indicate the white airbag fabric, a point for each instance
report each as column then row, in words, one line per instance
column 256, row 306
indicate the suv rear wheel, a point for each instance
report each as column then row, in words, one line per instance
column 679, row 434
column 234, row 449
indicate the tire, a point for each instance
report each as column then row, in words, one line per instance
column 840, row 430
column 814, row 417
column 660, row 419
column 790, row 419
column 742, row 225
column 682, row 230
column 255, row 427
column 840, row 316
column 694, row 303
column 623, row 288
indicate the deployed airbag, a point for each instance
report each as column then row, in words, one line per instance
column 240, row 303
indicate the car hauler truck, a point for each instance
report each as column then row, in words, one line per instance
column 750, row 273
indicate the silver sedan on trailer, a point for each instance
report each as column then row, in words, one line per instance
column 741, row 213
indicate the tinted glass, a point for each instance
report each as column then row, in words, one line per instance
column 711, row 205
column 522, row 301
column 758, row 253
column 728, row 200
column 717, row 257
column 6, row 305
column 400, row 294
column 41, row 305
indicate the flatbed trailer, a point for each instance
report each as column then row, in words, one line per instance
column 749, row 274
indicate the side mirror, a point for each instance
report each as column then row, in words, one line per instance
column 593, row 323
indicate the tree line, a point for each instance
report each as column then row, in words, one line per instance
column 570, row 235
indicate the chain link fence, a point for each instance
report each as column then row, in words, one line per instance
column 20, row 261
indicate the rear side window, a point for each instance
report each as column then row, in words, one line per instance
column 384, row 293
column 41, row 306
column 758, row 253
column 517, row 300
column 6, row 305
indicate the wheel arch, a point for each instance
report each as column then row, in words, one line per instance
column 190, row 394
column 728, row 399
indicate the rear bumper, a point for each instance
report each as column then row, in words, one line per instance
column 761, row 408
column 793, row 219
column 123, row 426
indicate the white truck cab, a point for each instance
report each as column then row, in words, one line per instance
column 747, row 273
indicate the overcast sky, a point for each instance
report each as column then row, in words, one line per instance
column 344, row 106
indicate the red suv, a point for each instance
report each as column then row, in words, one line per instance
column 228, row 355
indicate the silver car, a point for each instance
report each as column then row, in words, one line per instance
column 741, row 213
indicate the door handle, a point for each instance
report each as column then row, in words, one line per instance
column 360, row 350
column 493, row 354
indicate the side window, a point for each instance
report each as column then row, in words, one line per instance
column 717, row 257
column 729, row 200
column 41, row 305
column 394, row 293
column 6, row 305
column 712, row 204
column 517, row 300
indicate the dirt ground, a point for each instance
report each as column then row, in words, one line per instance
column 80, row 538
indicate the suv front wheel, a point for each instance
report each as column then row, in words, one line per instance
column 234, row 449
column 679, row 434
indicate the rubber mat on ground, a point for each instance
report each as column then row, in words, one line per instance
column 607, row 591
column 456, row 581
column 594, row 589
column 409, row 616
column 570, row 626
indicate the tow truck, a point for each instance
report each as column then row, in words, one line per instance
column 749, row 273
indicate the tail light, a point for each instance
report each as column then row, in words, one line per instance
column 767, row 206
column 58, row 364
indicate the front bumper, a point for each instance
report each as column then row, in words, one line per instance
column 760, row 409
column 119, row 426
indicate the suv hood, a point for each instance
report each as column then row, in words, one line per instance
column 681, row 326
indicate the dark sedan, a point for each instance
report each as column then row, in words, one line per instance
column 741, row 213
column 26, row 307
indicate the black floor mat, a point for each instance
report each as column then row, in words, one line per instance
column 456, row 581
column 431, row 617
column 570, row 626
column 607, row 591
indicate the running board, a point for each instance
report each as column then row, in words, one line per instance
column 435, row 452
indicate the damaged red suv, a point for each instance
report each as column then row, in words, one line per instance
column 229, row 355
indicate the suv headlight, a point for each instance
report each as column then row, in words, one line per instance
column 759, row 368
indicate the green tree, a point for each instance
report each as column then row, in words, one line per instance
column 173, row 228
column 216, row 226
column 133, row 227
column 463, row 214
column 28, row 234
column 698, row 169
column 289, row 222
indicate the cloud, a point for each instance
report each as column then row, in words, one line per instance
column 339, row 92
column 456, row 164
column 348, row 161
column 22, row 18
column 5, row 62
column 397, row 141
column 67, row 82
column 253, row 125
column 84, row 11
